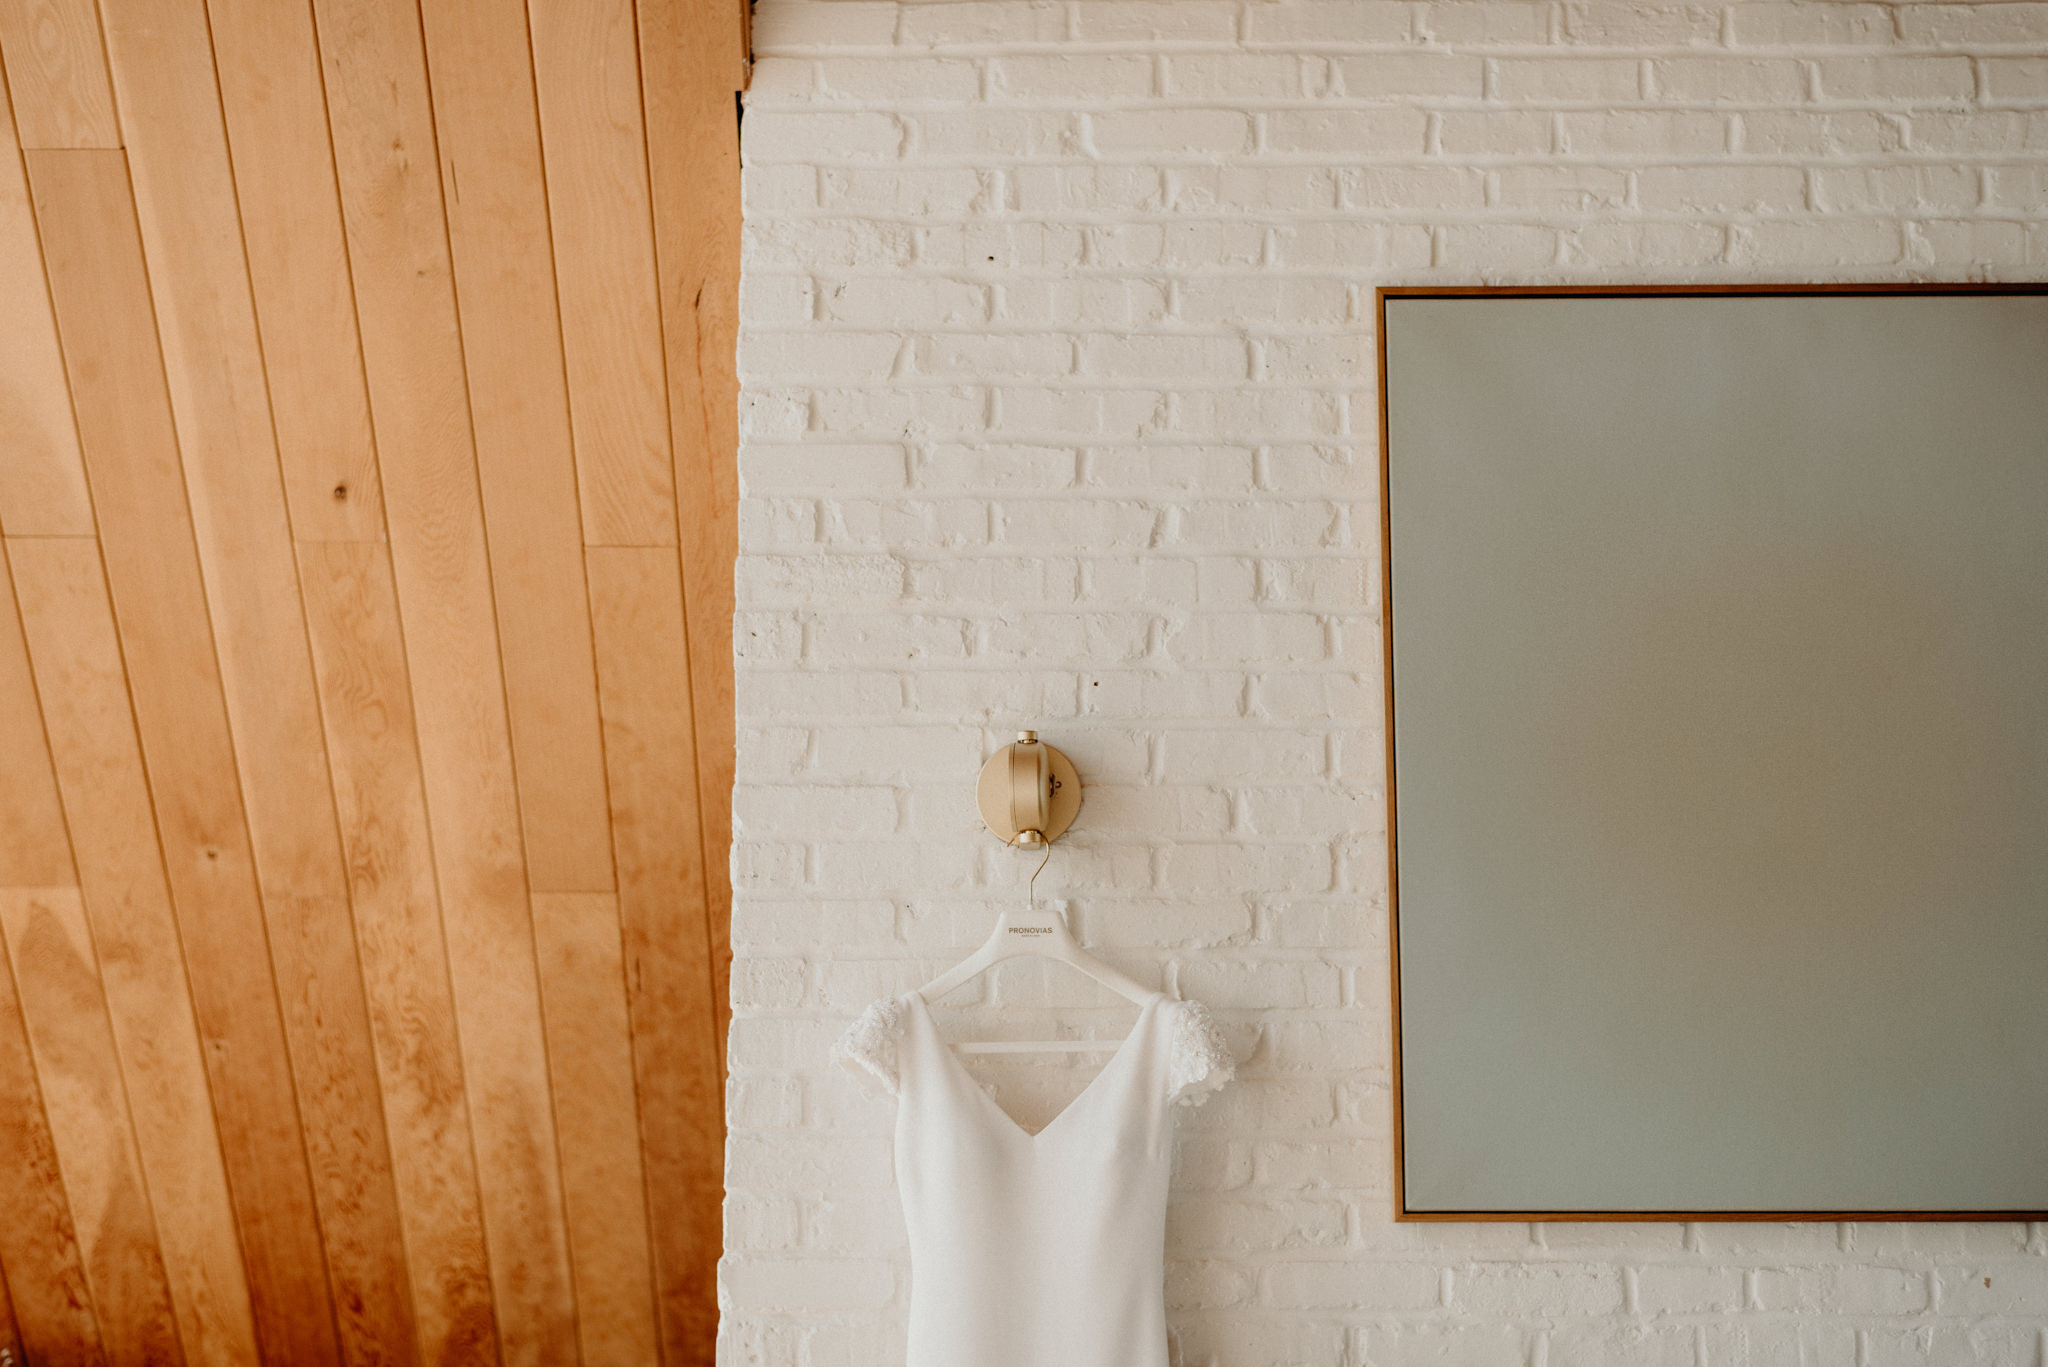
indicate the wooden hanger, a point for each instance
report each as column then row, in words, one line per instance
column 1032, row 933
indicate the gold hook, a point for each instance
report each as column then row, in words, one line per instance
column 1031, row 888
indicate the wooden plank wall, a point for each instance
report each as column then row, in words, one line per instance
column 367, row 493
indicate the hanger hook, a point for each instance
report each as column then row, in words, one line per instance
column 1031, row 888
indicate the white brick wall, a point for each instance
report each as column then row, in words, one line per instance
column 1058, row 411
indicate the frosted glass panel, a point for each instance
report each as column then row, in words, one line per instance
column 1720, row 734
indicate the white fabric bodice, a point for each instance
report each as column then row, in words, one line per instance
column 1037, row 1249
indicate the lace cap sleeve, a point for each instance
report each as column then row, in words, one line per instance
column 1198, row 1061
column 868, row 1048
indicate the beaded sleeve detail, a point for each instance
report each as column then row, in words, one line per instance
column 868, row 1048
column 1198, row 1061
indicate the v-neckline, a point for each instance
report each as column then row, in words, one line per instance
column 960, row 1069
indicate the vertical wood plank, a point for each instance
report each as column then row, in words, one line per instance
column 35, row 850
column 38, row 1244
column 686, row 51
column 162, row 62
column 36, row 1233
column 57, row 73
column 489, row 141
column 57, row 982
column 99, row 769
column 100, row 290
column 587, row 79
column 743, row 33
column 269, row 73
column 69, row 624
column 583, row 980
column 367, row 710
column 379, row 111
column 42, row 480
column 650, row 756
column 10, row 1338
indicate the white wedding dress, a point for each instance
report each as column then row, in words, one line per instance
column 1037, row 1249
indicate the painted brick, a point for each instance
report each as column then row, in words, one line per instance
column 1850, row 1290
column 1093, row 189
column 1480, row 23
column 840, row 27
column 937, row 192
column 1434, row 1345
column 1539, row 1288
column 1646, row 25
column 806, row 136
column 1157, row 21
column 1823, row 135
column 1058, row 409
column 977, row 23
column 1498, row 246
column 2016, row 79
column 1433, row 76
column 1163, row 357
column 1418, row 187
column 1299, row 301
column 1170, row 132
column 875, row 301
column 985, row 133
column 1084, row 77
column 1644, row 133
column 1330, row 22
column 2018, row 24
column 1521, row 132
column 1624, row 1345
column 1808, row 26
column 2023, row 188
column 1729, row 80
column 1896, row 78
column 1090, row 301
column 1249, row 189
column 1904, row 189
column 1572, row 80
column 1978, row 133
column 1572, row 189
column 1677, row 1289
column 900, row 80
column 819, row 468
column 1350, row 1285
column 1732, row 190
column 1243, row 75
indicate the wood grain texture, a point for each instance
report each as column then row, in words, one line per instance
column 185, row 202
column 57, row 73
column 590, row 1051
column 46, row 1284
column 69, row 624
column 489, row 141
column 651, row 757
column 367, row 709
column 351, row 330
column 688, row 53
column 35, row 849
column 587, row 75
column 57, row 982
column 42, row 481
column 104, row 318
column 270, row 95
column 383, row 130
column 10, row 1339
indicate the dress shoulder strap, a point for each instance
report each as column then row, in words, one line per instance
column 868, row 1048
column 1198, row 1061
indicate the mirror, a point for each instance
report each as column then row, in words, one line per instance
column 1717, row 649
